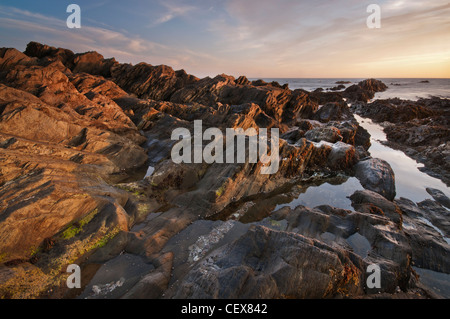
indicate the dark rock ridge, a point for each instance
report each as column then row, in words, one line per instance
column 362, row 92
column 86, row 177
column 343, row 82
column 439, row 196
column 430, row 249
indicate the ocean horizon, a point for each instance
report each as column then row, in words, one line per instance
column 403, row 88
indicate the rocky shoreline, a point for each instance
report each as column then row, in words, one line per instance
column 418, row 128
column 78, row 134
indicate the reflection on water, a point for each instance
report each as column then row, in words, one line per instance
column 333, row 191
column 410, row 182
column 335, row 195
column 360, row 245
column 150, row 171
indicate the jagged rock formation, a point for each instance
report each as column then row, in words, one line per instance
column 78, row 133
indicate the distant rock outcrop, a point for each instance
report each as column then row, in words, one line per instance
column 364, row 90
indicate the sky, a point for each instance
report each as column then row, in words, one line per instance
column 255, row 38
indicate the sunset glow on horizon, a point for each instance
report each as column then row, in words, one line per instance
column 256, row 38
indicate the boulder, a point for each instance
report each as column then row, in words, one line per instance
column 337, row 88
column 93, row 63
column 242, row 80
column 376, row 175
column 46, row 52
column 342, row 156
column 373, row 85
column 326, row 133
column 333, row 111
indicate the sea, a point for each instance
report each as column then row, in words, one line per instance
column 406, row 89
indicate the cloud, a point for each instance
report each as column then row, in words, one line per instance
column 304, row 38
column 172, row 10
column 124, row 47
column 258, row 38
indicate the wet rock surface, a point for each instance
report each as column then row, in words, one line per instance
column 439, row 196
column 425, row 225
column 86, row 177
column 376, row 175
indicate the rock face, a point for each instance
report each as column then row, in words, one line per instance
column 372, row 85
column 327, row 134
column 378, row 176
column 430, row 245
column 393, row 110
column 93, row 63
column 87, row 178
column 283, row 255
column 371, row 202
column 153, row 82
column 439, row 196
column 265, row 264
column 333, row 112
column 62, row 145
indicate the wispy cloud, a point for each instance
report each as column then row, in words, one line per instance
column 172, row 10
column 257, row 38
column 303, row 38
column 110, row 43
